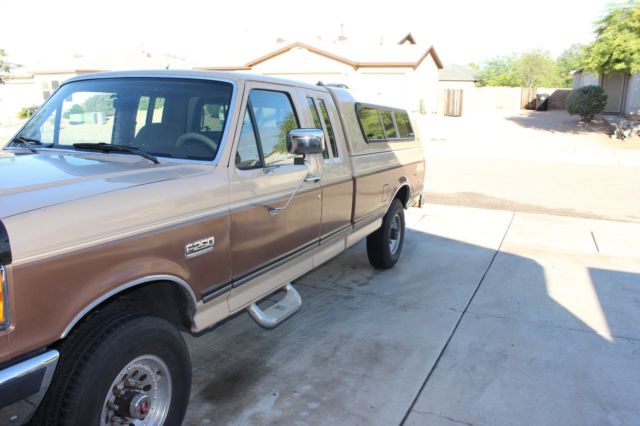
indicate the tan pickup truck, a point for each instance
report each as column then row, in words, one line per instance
column 137, row 205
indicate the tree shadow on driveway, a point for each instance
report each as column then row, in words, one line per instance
column 557, row 121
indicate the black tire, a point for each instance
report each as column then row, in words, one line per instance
column 92, row 357
column 379, row 250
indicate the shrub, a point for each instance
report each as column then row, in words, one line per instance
column 26, row 112
column 586, row 102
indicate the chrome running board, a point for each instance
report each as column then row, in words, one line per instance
column 275, row 314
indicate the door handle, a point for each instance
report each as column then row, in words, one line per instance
column 313, row 179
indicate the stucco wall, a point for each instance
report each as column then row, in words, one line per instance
column 398, row 86
column 16, row 94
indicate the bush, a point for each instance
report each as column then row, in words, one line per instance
column 26, row 112
column 586, row 102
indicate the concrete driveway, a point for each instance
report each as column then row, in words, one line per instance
column 489, row 318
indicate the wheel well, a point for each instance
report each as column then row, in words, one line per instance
column 403, row 195
column 163, row 299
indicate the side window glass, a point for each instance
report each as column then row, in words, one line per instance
column 316, row 121
column 274, row 117
column 404, row 125
column 247, row 154
column 389, row 127
column 327, row 123
column 371, row 124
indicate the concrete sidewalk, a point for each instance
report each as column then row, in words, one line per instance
column 489, row 318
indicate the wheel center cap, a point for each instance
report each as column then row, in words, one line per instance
column 140, row 406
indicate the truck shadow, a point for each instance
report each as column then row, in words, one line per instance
column 365, row 340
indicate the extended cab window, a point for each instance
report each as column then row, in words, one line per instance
column 272, row 117
column 327, row 123
column 381, row 124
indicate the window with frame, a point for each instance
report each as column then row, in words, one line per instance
column 371, row 123
column 248, row 152
column 389, row 126
column 404, row 125
column 272, row 117
column 384, row 125
column 316, row 121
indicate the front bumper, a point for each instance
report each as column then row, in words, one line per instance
column 23, row 385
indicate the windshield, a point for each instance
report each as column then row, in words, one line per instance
column 164, row 117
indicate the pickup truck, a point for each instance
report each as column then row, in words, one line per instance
column 138, row 205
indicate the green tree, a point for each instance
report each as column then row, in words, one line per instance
column 100, row 103
column 570, row 60
column 536, row 68
column 4, row 66
column 498, row 71
column 617, row 44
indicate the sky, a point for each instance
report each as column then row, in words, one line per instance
column 461, row 31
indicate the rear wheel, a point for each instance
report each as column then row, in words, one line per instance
column 385, row 245
column 129, row 370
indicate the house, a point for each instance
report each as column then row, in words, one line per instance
column 457, row 77
column 403, row 73
column 623, row 90
column 32, row 85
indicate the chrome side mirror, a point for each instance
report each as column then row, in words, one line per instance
column 305, row 141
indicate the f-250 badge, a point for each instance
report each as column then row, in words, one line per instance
column 199, row 247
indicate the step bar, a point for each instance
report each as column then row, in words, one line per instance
column 275, row 314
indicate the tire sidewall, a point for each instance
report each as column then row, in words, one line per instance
column 395, row 210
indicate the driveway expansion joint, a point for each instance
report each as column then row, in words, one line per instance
column 455, row 327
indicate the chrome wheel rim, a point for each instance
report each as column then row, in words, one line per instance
column 395, row 234
column 139, row 395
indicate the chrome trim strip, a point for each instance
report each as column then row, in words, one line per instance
column 21, row 411
column 114, row 291
column 28, row 366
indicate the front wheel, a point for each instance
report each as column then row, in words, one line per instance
column 129, row 370
column 385, row 245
